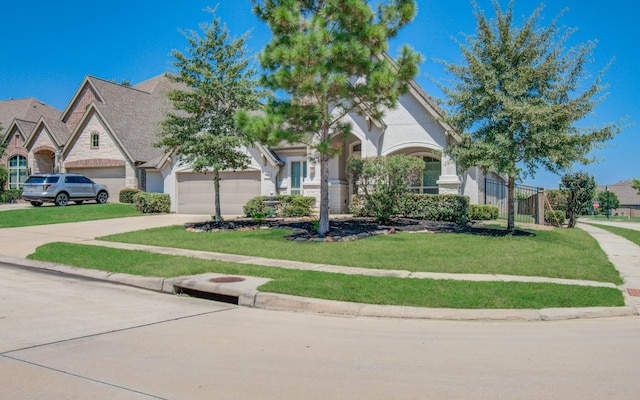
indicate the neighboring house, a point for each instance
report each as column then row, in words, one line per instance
column 628, row 197
column 108, row 131
column 18, row 119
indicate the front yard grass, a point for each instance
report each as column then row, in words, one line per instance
column 332, row 286
column 71, row 213
column 557, row 253
column 629, row 234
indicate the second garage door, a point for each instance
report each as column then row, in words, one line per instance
column 195, row 194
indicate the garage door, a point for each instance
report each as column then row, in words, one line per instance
column 196, row 192
column 112, row 177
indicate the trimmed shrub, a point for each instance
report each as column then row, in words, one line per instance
column 555, row 217
column 384, row 182
column 432, row 207
column 290, row 206
column 482, row 212
column 10, row 196
column 149, row 203
column 298, row 206
column 126, row 194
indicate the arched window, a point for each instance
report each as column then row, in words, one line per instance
column 432, row 171
column 17, row 171
column 95, row 140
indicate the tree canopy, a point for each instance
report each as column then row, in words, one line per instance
column 518, row 96
column 581, row 189
column 636, row 184
column 218, row 81
column 327, row 59
column 608, row 201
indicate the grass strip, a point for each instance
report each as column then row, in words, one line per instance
column 629, row 234
column 331, row 286
column 72, row 213
column 558, row 253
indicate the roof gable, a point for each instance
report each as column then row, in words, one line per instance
column 29, row 110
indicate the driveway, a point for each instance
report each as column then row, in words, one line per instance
column 20, row 242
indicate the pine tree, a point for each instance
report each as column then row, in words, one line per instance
column 218, row 77
column 517, row 97
column 327, row 58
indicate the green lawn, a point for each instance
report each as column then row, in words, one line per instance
column 613, row 218
column 629, row 234
column 71, row 213
column 353, row 288
column 558, row 253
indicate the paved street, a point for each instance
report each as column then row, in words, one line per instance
column 64, row 337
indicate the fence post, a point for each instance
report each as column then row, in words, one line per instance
column 540, row 207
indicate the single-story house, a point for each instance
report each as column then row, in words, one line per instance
column 107, row 132
column 627, row 196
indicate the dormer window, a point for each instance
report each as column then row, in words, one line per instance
column 95, row 140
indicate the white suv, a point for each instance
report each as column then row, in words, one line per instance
column 62, row 188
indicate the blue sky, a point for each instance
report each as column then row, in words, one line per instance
column 48, row 47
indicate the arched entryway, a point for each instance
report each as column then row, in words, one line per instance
column 43, row 161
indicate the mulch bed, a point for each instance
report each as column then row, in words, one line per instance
column 342, row 230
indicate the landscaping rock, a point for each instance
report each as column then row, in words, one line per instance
column 344, row 230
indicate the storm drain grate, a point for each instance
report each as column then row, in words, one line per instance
column 634, row 292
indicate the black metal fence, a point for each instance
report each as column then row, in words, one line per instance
column 525, row 200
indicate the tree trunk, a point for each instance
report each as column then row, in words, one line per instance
column 216, row 185
column 323, row 223
column 511, row 204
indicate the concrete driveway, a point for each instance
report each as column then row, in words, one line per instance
column 20, row 242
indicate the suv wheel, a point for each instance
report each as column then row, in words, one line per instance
column 102, row 197
column 62, row 199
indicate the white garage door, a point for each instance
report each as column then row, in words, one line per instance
column 196, row 192
column 112, row 177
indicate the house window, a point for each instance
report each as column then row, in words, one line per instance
column 298, row 174
column 432, row 170
column 17, row 172
column 95, row 141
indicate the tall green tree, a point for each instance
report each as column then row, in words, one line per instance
column 580, row 188
column 218, row 81
column 327, row 58
column 517, row 97
column 636, row 184
column 608, row 201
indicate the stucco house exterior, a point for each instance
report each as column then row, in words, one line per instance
column 107, row 132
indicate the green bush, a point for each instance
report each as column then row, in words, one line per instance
column 4, row 175
column 555, row 217
column 289, row 206
column 298, row 206
column 432, row 207
column 384, row 182
column 149, row 203
column 9, row 196
column 482, row 212
column 126, row 195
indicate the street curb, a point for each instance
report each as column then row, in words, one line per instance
column 249, row 297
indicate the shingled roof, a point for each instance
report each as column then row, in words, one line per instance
column 627, row 195
column 29, row 109
column 134, row 113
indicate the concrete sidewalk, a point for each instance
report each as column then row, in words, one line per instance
column 17, row 243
